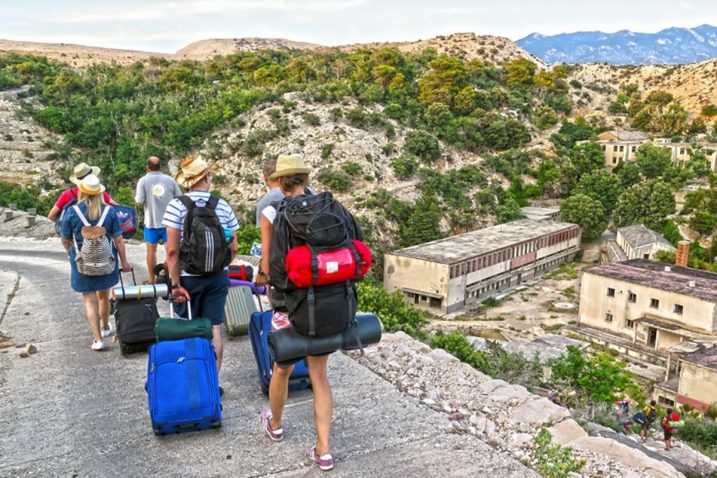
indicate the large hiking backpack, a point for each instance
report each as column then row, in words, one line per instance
column 95, row 257
column 61, row 216
column 204, row 249
column 322, row 225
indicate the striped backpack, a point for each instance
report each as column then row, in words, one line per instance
column 95, row 257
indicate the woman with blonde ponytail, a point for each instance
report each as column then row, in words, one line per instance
column 91, row 220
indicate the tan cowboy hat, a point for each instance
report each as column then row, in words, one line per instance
column 82, row 170
column 287, row 164
column 191, row 171
column 91, row 185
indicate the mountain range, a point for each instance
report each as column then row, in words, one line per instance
column 669, row 46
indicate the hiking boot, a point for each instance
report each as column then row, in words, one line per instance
column 108, row 331
column 325, row 461
column 275, row 435
column 98, row 345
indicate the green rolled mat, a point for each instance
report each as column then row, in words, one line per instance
column 677, row 424
column 168, row 328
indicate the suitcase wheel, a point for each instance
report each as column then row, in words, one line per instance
column 216, row 424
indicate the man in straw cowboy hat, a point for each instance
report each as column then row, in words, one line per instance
column 67, row 199
column 207, row 291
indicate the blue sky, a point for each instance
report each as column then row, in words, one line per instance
column 168, row 25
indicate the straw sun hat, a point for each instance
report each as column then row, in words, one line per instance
column 287, row 164
column 91, row 185
column 81, row 171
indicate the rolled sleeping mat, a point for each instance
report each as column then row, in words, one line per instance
column 255, row 288
column 147, row 291
column 286, row 345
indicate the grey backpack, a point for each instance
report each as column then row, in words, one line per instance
column 95, row 257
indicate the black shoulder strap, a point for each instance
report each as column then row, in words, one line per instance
column 187, row 201
column 212, row 202
column 189, row 204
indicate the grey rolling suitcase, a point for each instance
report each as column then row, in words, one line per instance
column 238, row 309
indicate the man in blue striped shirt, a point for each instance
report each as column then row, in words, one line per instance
column 208, row 293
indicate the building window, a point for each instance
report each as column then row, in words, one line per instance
column 603, row 147
column 614, row 149
column 655, row 303
column 629, row 323
column 665, row 401
column 682, row 150
column 631, row 297
column 622, row 148
column 608, row 317
column 679, row 309
column 610, row 292
column 633, row 149
column 614, row 160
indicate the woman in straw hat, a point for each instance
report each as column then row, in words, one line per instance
column 102, row 220
column 293, row 176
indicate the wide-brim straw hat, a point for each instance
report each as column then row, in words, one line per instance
column 91, row 185
column 81, row 171
column 191, row 171
column 287, row 164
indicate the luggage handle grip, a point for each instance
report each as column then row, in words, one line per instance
column 134, row 279
column 171, row 309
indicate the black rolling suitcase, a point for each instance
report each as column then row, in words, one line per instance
column 135, row 319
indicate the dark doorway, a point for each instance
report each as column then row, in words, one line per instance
column 651, row 337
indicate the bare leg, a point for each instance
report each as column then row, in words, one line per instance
column 151, row 261
column 278, row 393
column 323, row 402
column 218, row 341
column 103, row 297
column 92, row 312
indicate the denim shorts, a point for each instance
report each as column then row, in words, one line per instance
column 208, row 296
column 153, row 235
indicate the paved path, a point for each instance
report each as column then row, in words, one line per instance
column 68, row 411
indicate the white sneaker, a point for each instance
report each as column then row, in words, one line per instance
column 98, row 345
column 108, row 332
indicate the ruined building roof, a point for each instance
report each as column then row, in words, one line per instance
column 680, row 280
column 638, row 235
column 455, row 249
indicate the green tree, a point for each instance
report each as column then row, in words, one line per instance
column 629, row 173
column 597, row 379
column 703, row 222
column 585, row 211
column 423, row 223
column 438, row 115
column 602, row 185
column 586, row 157
column 520, row 72
column 247, row 235
column 647, row 203
column 654, row 161
column 444, row 78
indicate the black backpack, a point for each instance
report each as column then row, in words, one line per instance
column 322, row 223
column 204, row 249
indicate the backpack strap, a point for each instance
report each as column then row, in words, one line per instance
column 103, row 216
column 80, row 215
column 212, row 202
column 189, row 204
column 311, row 302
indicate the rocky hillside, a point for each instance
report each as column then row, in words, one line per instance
column 26, row 152
column 669, row 46
column 693, row 85
column 78, row 55
column 205, row 49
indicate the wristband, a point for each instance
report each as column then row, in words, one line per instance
column 176, row 286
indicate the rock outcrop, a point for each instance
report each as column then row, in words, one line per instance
column 506, row 416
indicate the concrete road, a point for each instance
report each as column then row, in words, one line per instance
column 69, row 411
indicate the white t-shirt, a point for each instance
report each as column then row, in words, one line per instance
column 269, row 212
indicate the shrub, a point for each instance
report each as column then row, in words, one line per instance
column 336, row 180
column 553, row 461
column 395, row 314
column 311, row 119
column 326, row 150
column 457, row 345
column 405, row 166
column 423, row 145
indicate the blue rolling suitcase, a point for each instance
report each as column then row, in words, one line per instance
column 183, row 386
column 259, row 328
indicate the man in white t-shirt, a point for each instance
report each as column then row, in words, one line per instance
column 208, row 293
column 154, row 191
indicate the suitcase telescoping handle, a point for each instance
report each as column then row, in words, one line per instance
column 134, row 279
column 189, row 310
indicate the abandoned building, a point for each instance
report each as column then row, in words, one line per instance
column 637, row 242
column 650, row 312
column 693, row 379
column 449, row 274
column 541, row 213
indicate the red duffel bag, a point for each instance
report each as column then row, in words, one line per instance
column 336, row 265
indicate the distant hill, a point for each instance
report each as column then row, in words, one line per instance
column 670, row 46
